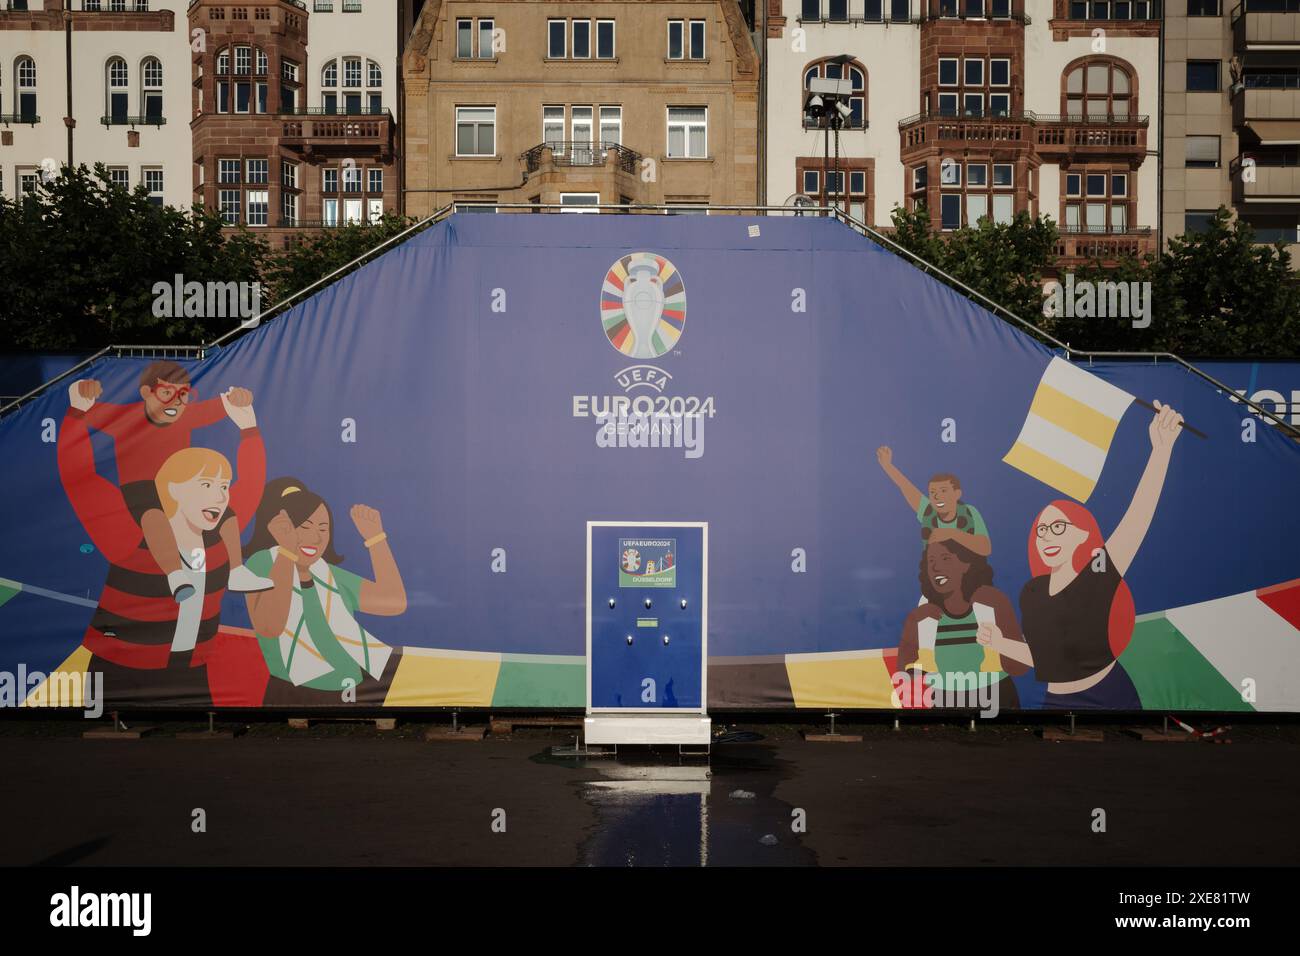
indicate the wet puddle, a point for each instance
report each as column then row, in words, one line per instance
column 655, row 808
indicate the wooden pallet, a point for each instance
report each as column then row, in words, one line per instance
column 474, row 732
column 381, row 723
column 507, row 725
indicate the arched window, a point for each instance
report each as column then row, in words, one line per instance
column 117, row 80
column 151, row 88
column 1098, row 88
column 25, row 83
column 329, row 74
column 374, row 75
column 852, row 71
column 223, row 62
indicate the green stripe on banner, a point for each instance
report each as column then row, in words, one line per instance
column 1170, row 674
column 6, row 591
column 540, row 683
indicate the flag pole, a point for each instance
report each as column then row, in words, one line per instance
column 1186, row 427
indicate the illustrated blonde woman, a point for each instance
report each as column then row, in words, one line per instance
column 317, row 652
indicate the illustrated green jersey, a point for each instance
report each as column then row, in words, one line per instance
column 966, row 519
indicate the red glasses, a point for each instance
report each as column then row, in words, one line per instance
column 167, row 393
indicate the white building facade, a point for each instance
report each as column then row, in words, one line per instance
column 974, row 108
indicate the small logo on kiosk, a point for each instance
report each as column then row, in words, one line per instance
column 647, row 562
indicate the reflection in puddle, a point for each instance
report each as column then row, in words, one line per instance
column 654, row 809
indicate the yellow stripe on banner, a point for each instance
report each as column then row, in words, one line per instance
column 863, row 682
column 68, row 691
column 424, row 680
column 1074, row 416
column 1050, row 472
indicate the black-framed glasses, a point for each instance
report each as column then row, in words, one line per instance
column 1056, row 527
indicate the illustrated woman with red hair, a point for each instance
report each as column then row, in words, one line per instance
column 1076, row 611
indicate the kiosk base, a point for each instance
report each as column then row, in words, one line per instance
column 647, row 729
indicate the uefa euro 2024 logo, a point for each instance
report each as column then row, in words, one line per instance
column 643, row 305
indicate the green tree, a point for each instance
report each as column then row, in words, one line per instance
column 1005, row 262
column 317, row 256
column 80, row 256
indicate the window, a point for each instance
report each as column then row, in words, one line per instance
column 611, row 124
column 999, row 72
column 329, row 74
column 289, row 175
column 228, row 171
column 553, row 125
column 329, row 180
column 464, row 39
column 676, row 39
column 950, row 210
column 949, row 173
column 120, row 177
column 153, row 182
column 117, row 90
column 1003, row 175
column 811, row 182
column 289, row 209
column 977, row 174
column 810, row 10
column 1004, row 209
column 1097, row 201
column 1114, row 10
column 972, row 104
column 920, row 177
column 974, row 75
column 352, row 179
column 1099, row 90
column 352, row 73
column 872, row 10
column 476, row 130
column 258, row 171
column 151, row 89
column 581, row 39
column 837, row 10
column 25, row 73
column 485, row 50
column 605, row 39
column 228, row 201
column 258, row 207
column 243, row 59
column 900, row 10
column 1202, row 152
column 330, row 212
column 289, row 73
column 28, row 181
column 556, row 39
column 948, row 72
column 465, row 45
column 1202, row 8
column 579, row 202
column 374, row 180
column 1203, row 76
column 1197, row 221
column 263, row 63
column 687, row 132
column 697, row 39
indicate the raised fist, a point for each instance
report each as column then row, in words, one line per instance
column 885, row 455
column 82, row 393
column 238, row 403
column 283, row 532
column 367, row 521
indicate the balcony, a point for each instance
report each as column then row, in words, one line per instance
column 581, row 153
column 1266, row 25
column 19, row 119
column 1265, row 185
column 337, row 130
column 1049, row 134
column 1268, row 107
column 1108, row 246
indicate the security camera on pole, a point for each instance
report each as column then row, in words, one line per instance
column 826, row 104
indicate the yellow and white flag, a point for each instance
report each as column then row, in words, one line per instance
column 1069, row 429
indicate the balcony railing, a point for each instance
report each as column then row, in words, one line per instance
column 1049, row 132
column 1266, row 25
column 341, row 128
column 1275, row 183
column 1108, row 245
column 133, row 121
column 582, row 153
column 338, row 111
column 19, row 119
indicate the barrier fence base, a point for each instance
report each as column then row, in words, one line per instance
column 381, row 723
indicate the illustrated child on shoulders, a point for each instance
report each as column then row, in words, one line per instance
column 942, row 513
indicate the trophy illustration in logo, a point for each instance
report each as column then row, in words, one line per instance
column 643, row 305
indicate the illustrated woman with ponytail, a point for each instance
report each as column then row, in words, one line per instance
column 1076, row 612
column 306, row 623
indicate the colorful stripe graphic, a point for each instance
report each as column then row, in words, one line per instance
column 1068, row 430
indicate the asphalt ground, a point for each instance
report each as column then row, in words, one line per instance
column 926, row 795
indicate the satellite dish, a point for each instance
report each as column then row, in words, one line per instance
column 797, row 203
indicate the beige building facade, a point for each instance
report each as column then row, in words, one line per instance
column 579, row 104
column 1232, row 116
